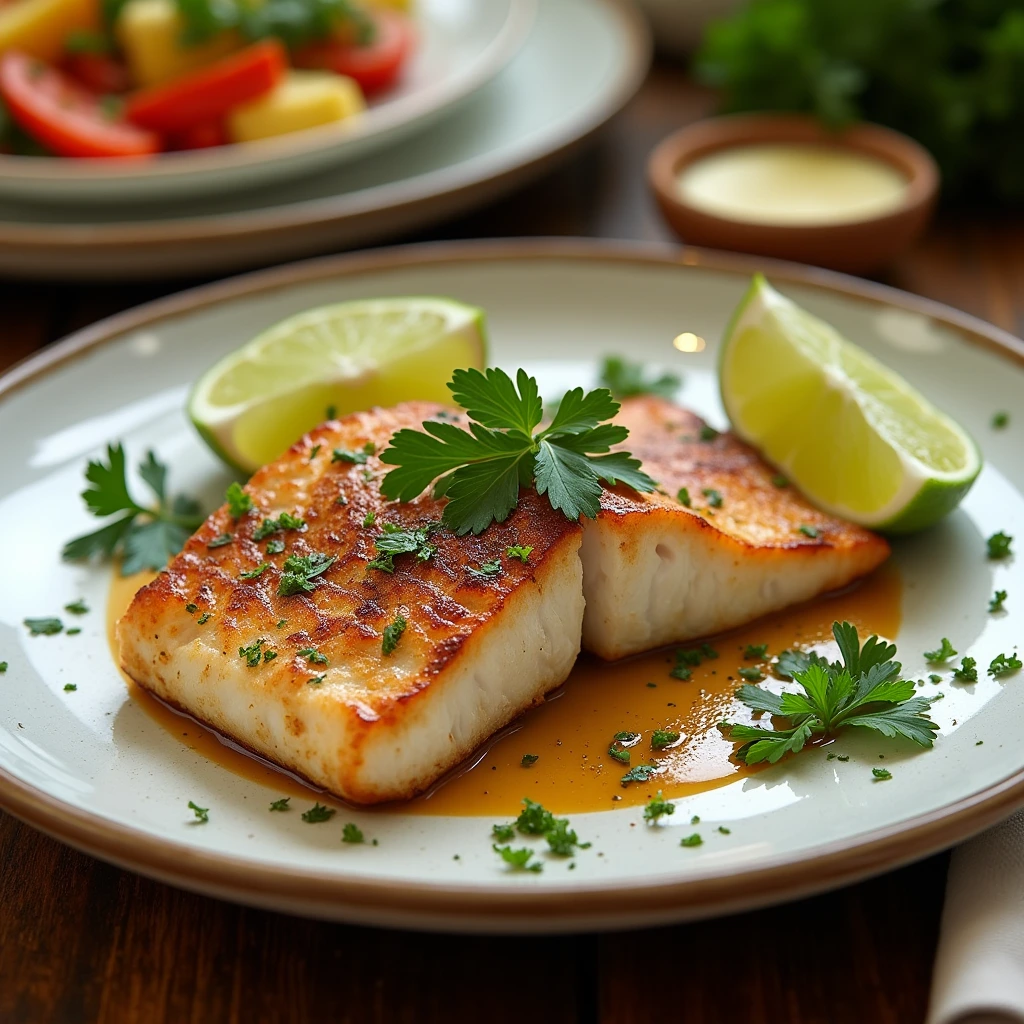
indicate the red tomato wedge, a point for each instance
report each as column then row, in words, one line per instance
column 374, row 66
column 65, row 117
column 98, row 72
column 205, row 135
column 209, row 93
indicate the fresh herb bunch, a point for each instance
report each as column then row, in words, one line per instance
column 950, row 73
column 294, row 22
column 481, row 470
column 145, row 535
column 864, row 689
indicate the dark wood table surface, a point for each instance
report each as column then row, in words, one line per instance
column 81, row 941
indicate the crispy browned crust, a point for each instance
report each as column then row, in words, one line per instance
column 445, row 604
column 754, row 513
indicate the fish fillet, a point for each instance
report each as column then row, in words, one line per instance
column 477, row 650
column 656, row 572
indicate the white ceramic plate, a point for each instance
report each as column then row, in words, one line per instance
column 582, row 62
column 95, row 770
column 462, row 45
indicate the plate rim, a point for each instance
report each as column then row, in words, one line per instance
column 399, row 196
column 424, row 903
column 422, row 106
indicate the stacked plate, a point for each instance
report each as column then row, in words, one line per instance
column 497, row 89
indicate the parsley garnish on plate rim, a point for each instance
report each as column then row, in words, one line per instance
column 145, row 535
column 481, row 470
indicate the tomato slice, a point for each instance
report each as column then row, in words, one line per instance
column 98, row 72
column 204, row 135
column 376, row 65
column 62, row 115
column 209, row 93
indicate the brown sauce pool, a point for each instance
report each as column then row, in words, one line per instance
column 571, row 731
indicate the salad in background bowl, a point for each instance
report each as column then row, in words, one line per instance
column 121, row 99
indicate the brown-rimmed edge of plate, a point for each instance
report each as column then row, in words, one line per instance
column 497, row 908
column 235, row 241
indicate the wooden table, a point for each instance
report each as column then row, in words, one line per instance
column 82, row 941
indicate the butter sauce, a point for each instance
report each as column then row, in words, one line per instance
column 570, row 732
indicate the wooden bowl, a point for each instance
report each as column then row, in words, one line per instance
column 856, row 247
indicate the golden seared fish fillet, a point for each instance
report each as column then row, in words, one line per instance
column 657, row 572
column 307, row 668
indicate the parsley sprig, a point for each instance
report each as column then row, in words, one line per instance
column 481, row 470
column 145, row 535
column 863, row 690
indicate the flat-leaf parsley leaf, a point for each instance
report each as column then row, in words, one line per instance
column 481, row 470
column 863, row 690
column 145, row 535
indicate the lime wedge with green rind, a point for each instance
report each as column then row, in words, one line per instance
column 856, row 438
column 331, row 361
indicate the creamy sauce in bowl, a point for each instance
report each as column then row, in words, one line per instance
column 792, row 184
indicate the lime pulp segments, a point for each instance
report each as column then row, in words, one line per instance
column 331, row 361
column 852, row 434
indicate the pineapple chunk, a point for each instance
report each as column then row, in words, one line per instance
column 39, row 27
column 303, row 99
column 150, row 32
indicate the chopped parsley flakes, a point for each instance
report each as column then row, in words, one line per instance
column 316, row 680
column 352, row 833
column 397, row 541
column 280, row 805
column 808, row 531
column 3, row 667
column 318, row 813
column 714, row 497
column 997, row 602
column 943, row 652
column 202, row 814
column 486, row 570
column 253, row 653
column 392, row 634
column 968, row 671
column 683, row 496
column 1000, row 420
column 301, row 572
column 44, row 627
column 522, row 553
column 275, row 547
column 752, row 674
column 529, row 759
column 708, row 433
column 203, row 619
column 662, row 738
column 691, row 840
column 314, row 451
column 658, row 808
column 285, row 521
column 518, row 860
column 239, row 501
column 220, row 541
column 639, row 773
column 252, row 574
column 369, row 519
column 313, row 656
column 356, row 458
column 627, row 380
column 780, row 481
column 1003, row 665
column 998, row 545
column 78, row 607
column 503, row 832
column 70, row 687
column 755, row 652
column 881, row 774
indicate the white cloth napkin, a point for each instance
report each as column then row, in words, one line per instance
column 979, row 969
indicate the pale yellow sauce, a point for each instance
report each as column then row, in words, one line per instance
column 572, row 730
column 792, row 184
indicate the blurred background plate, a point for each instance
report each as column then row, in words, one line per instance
column 583, row 60
column 462, row 45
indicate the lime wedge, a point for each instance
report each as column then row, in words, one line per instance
column 854, row 436
column 332, row 361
